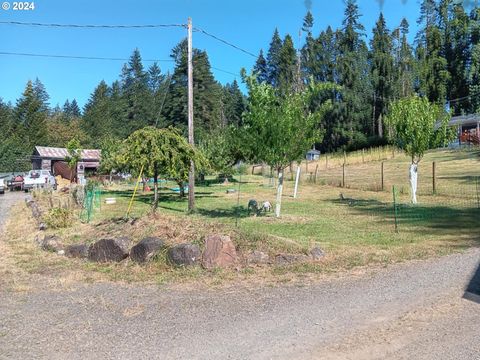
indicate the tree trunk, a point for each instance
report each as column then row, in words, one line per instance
column 155, row 188
column 278, row 205
column 380, row 126
column 181, row 186
column 413, row 181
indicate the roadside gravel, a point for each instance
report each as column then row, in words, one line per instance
column 410, row 310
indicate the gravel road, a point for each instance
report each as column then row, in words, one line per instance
column 413, row 310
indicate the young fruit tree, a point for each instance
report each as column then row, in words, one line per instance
column 279, row 130
column 417, row 126
column 73, row 158
column 159, row 151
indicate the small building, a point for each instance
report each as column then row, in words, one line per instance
column 468, row 128
column 313, row 154
column 54, row 159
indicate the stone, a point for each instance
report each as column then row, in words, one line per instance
column 184, row 254
column 258, row 258
column 146, row 249
column 317, row 253
column 61, row 252
column 51, row 243
column 287, row 259
column 77, row 251
column 106, row 250
column 219, row 252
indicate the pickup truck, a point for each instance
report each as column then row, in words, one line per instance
column 39, row 179
column 2, row 186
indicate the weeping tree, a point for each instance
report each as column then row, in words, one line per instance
column 417, row 126
column 278, row 130
column 159, row 152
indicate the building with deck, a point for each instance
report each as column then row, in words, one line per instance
column 468, row 128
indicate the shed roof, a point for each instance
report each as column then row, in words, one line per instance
column 314, row 152
column 62, row 153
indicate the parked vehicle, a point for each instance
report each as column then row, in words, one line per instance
column 39, row 179
column 2, row 186
column 15, row 183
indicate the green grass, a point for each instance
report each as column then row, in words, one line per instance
column 364, row 224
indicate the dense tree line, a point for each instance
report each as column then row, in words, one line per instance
column 140, row 97
column 442, row 63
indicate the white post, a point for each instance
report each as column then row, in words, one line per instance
column 413, row 181
column 297, row 178
column 278, row 204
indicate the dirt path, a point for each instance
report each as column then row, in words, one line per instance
column 407, row 311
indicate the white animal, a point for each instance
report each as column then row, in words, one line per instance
column 266, row 206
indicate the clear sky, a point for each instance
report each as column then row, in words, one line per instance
column 246, row 23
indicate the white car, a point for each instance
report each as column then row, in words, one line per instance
column 2, row 186
column 39, row 179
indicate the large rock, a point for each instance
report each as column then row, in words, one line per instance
column 184, row 254
column 106, row 250
column 287, row 259
column 317, row 253
column 146, row 249
column 257, row 258
column 77, row 251
column 51, row 243
column 219, row 252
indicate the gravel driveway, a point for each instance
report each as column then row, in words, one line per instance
column 406, row 311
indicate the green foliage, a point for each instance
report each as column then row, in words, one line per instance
column 160, row 151
column 418, row 126
column 74, row 153
column 223, row 150
column 58, row 218
column 276, row 130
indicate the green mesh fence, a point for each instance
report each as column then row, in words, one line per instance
column 91, row 203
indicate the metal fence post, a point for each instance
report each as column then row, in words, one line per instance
column 395, row 208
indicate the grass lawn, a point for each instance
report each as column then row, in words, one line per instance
column 354, row 231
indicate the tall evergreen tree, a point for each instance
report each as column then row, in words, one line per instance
column 287, row 67
column 207, row 99
column 260, row 68
column 354, row 110
column 382, row 72
column 273, row 59
column 97, row 119
column 137, row 96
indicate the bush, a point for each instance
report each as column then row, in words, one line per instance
column 57, row 218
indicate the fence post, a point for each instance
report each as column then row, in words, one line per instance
column 316, row 171
column 344, row 157
column 306, row 166
column 326, row 161
column 478, row 195
column 395, row 208
column 383, row 188
column 363, row 155
column 343, row 175
column 434, row 182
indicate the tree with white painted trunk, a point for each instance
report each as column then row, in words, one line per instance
column 417, row 126
column 278, row 130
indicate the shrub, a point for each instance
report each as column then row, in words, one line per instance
column 57, row 218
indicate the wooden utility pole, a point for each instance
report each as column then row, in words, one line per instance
column 191, row 174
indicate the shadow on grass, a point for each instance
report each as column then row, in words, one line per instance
column 235, row 212
column 420, row 219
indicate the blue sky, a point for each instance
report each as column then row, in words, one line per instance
column 246, row 23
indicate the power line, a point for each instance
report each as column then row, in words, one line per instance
column 79, row 57
column 91, row 26
column 100, row 58
column 225, row 42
